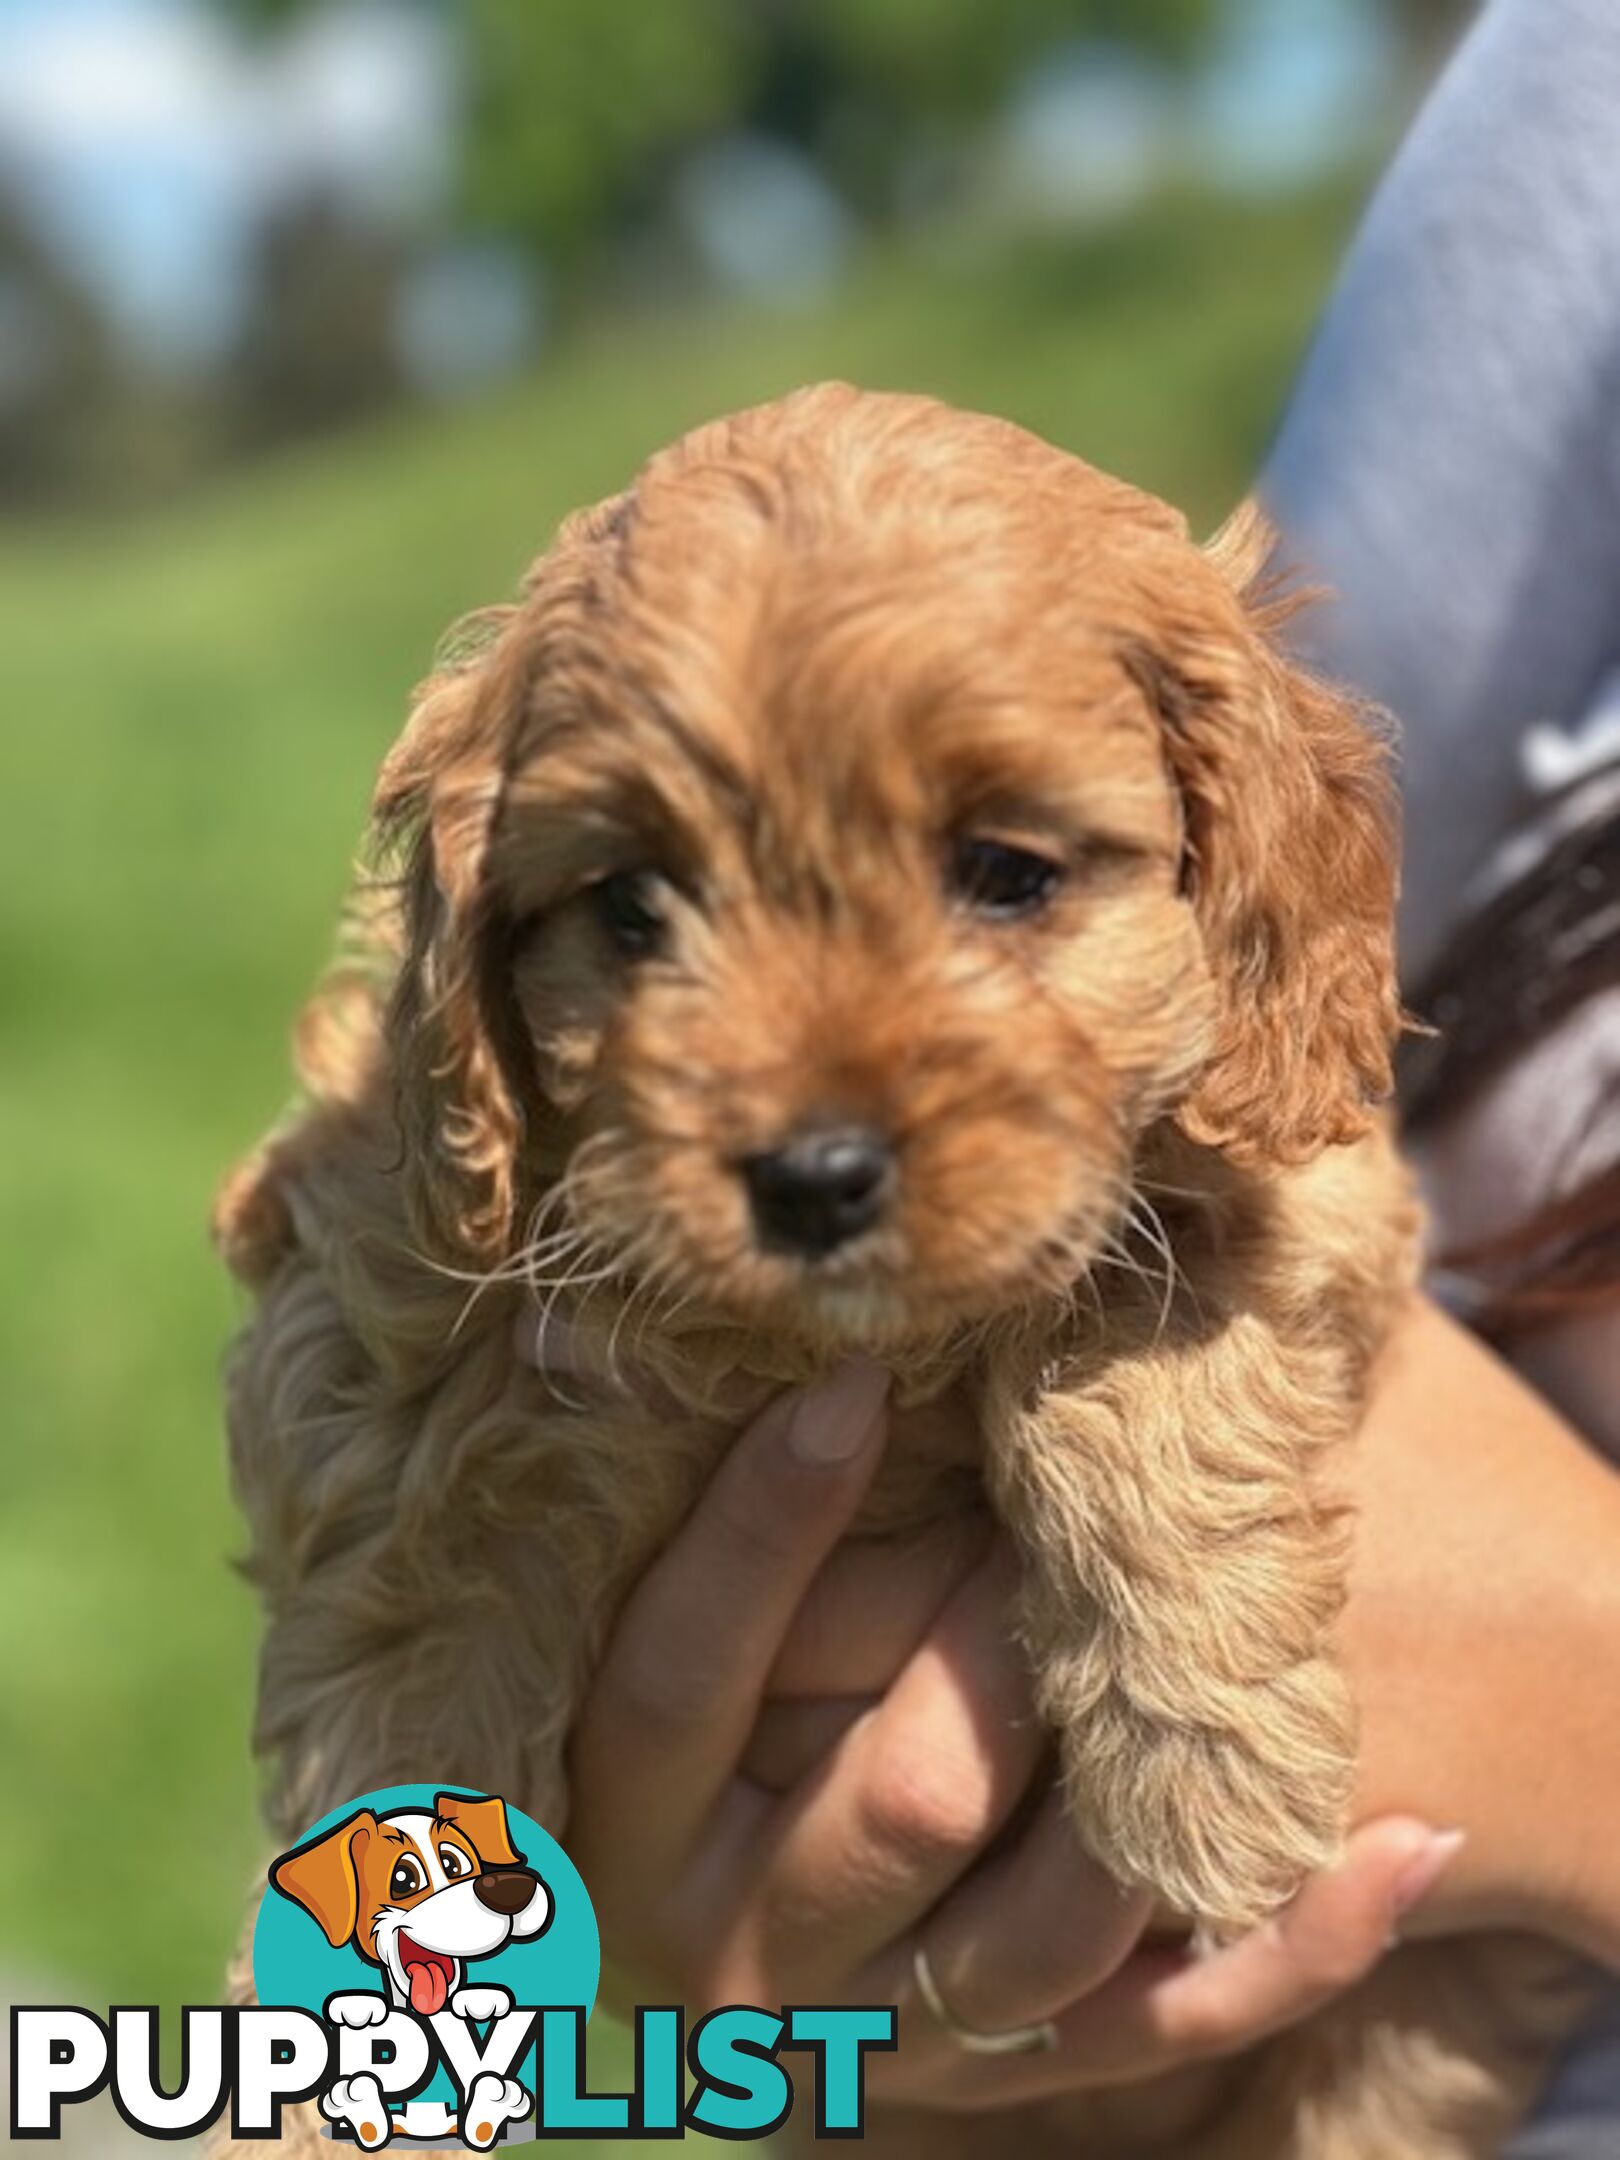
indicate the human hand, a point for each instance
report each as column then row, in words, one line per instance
column 1487, row 1557
column 761, row 1875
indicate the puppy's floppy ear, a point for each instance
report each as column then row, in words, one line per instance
column 1292, row 861
column 324, row 1876
column 484, row 1822
column 456, row 1039
column 434, row 809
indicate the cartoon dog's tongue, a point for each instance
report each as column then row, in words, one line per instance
column 428, row 1976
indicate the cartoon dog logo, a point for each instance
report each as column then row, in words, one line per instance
column 420, row 1895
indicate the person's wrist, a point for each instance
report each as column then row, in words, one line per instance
column 1545, row 1770
column 1572, row 1872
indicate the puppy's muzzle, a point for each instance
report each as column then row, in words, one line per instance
column 819, row 1190
column 505, row 1890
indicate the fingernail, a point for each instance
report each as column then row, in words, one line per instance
column 833, row 1420
column 1425, row 1868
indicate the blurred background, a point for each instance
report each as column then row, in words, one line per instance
column 314, row 318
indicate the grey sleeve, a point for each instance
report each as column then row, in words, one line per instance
column 1450, row 462
column 1450, row 466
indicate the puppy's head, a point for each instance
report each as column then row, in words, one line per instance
column 856, row 837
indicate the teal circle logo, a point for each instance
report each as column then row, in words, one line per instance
column 433, row 1899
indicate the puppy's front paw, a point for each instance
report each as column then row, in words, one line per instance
column 481, row 2003
column 492, row 2103
column 358, row 2101
column 1222, row 1821
column 357, row 2010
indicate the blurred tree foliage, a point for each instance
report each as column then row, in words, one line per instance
column 578, row 106
column 317, row 347
column 573, row 101
column 955, row 60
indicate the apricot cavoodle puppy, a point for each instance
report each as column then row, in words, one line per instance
column 881, row 887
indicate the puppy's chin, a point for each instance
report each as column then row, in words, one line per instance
column 854, row 1312
column 876, row 1307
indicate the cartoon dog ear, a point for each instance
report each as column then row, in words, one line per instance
column 484, row 1822
column 1291, row 863
column 324, row 1877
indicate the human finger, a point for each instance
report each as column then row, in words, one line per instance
column 680, row 1684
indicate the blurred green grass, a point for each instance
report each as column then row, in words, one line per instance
column 197, row 702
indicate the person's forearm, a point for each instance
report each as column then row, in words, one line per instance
column 1504, row 1707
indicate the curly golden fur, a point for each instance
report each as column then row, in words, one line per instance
column 686, row 844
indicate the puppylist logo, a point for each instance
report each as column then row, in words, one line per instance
column 425, row 1962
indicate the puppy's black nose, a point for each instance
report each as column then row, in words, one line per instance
column 819, row 1190
column 504, row 1890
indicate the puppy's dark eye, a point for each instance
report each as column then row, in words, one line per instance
column 627, row 907
column 1001, row 880
column 406, row 1879
column 454, row 1862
